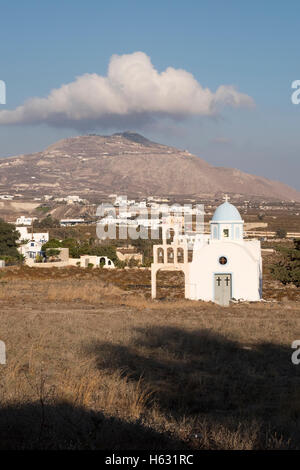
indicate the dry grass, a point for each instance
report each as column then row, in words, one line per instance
column 94, row 363
column 90, row 292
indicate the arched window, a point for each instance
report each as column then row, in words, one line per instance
column 170, row 255
column 160, row 255
column 180, row 255
column 170, row 233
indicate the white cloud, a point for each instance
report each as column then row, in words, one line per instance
column 133, row 92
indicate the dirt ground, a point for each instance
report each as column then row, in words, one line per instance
column 94, row 363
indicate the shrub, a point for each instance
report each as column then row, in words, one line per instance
column 74, row 247
column 52, row 243
column 43, row 209
column 133, row 263
column 13, row 260
column 109, row 251
column 52, row 253
column 287, row 269
column 281, row 233
column 8, row 238
column 121, row 264
column 46, row 223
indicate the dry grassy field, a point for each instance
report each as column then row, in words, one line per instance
column 94, row 363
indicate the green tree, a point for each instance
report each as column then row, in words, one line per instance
column 52, row 243
column 43, row 209
column 52, row 252
column 146, row 248
column 8, row 238
column 133, row 263
column 109, row 251
column 46, row 223
column 261, row 216
column 287, row 269
column 281, row 233
column 73, row 245
column 51, row 248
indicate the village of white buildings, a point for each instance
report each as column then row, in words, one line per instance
column 220, row 255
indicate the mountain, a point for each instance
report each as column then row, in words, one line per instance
column 127, row 163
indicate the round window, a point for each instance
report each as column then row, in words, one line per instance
column 222, row 260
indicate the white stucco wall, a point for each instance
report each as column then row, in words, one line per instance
column 95, row 260
column 244, row 265
column 25, row 234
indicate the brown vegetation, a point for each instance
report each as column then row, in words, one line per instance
column 94, row 363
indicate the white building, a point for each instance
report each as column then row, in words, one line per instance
column 192, row 238
column 70, row 199
column 70, row 222
column 147, row 223
column 141, row 205
column 122, row 201
column 103, row 261
column 224, row 265
column 22, row 220
column 41, row 237
column 73, row 199
column 31, row 249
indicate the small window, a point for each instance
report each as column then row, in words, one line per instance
column 160, row 255
column 170, row 255
column 180, row 255
column 223, row 260
column 226, row 232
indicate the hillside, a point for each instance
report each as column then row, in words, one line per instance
column 127, row 163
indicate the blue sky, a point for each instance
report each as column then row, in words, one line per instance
column 251, row 45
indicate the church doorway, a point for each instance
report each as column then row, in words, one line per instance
column 222, row 287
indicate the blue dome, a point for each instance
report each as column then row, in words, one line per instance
column 226, row 212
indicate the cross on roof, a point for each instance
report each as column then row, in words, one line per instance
column 226, row 197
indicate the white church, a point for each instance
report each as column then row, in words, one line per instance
column 224, row 266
